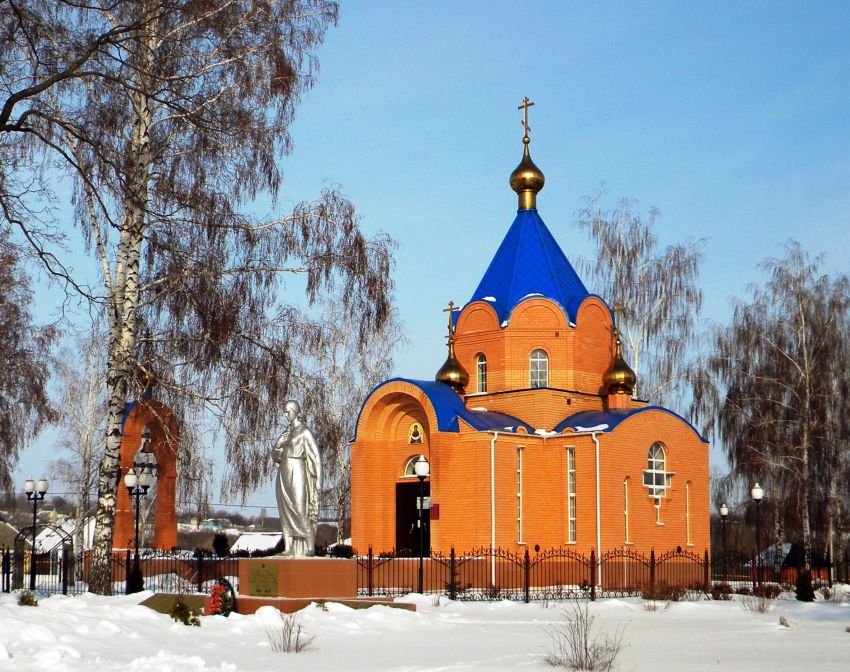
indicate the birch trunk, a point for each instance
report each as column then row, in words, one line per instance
column 806, row 433
column 122, row 325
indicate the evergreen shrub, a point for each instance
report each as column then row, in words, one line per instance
column 221, row 546
column 805, row 589
column 181, row 613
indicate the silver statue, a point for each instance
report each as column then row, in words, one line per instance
column 299, row 478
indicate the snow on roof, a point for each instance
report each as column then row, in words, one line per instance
column 595, row 428
column 50, row 538
column 256, row 541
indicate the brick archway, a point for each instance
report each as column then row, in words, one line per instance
column 164, row 433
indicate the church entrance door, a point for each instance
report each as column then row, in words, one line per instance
column 406, row 515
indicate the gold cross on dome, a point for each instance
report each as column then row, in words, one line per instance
column 451, row 310
column 524, row 107
column 619, row 311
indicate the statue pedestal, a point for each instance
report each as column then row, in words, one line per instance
column 298, row 577
column 292, row 583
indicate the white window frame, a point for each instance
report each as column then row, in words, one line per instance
column 519, row 494
column 408, row 471
column 656, row 478
column 481, row 373
column 626, row 509
column 688, row 514
column 538, row 368
column 571, row 495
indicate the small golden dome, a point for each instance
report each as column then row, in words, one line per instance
column 451, row 372
column 527, row 179
column 620, row 379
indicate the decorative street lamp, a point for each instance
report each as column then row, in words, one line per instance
column 35, row 493
column 724, row 514
column 137, row 486
column 421, row 468
column 758, row 492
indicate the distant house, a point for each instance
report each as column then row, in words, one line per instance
column 216, row 524
column 49, row 538
column 8, row 534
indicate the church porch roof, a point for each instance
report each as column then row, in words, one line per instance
column 449, row 409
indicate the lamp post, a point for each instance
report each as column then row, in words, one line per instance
column 35, row 493
column 724, row 513
column 758, row 492
column 137, row 486
column 421, row 468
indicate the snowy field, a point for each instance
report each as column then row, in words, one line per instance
column 115, row 633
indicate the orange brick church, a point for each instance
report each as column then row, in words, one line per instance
column 531, row 431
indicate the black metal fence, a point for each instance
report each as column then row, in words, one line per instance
column 495, row 573
column 163, row 571
column 480, row 574
column 742, row 569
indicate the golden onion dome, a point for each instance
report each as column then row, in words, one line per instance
column 451, row 372
column 527, row 180
column 621, row 379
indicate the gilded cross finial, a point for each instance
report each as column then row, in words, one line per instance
column 451, row 310
column 524, row 107
column 619, row 310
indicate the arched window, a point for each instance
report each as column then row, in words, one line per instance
column 481, row 371
column 539, row 369
column 408, row 467
column 656, row 478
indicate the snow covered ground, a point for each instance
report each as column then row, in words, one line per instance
column 115, row 633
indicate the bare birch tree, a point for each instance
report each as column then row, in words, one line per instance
column 181, row 126
column 338, row 376
column 766, row 389
column 24, row 362
column 654, row 292
column 81, row 407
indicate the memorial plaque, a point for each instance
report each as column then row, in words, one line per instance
column 263, row 579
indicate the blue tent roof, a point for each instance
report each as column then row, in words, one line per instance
column 530, row 261
column 586, row 420
column 449, row 407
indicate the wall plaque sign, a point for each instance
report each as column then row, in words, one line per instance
column 262, row 579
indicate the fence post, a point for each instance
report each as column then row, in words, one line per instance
column 200, row 572
column 592, row 575
column 652, row 572
column 369, row 583
column 126, row 571
column 527, row 573
column 755, row 569
column 7, row 571
column 706, row 582
column 65, row 567
column 452, row 575
column 829, row 566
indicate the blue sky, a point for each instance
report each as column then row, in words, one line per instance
column 731, row 118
